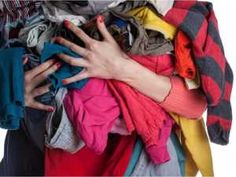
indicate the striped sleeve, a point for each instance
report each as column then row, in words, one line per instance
column 197, row 20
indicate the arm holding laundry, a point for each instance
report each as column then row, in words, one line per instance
column 104, row 59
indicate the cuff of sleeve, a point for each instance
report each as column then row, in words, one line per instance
column 180, row 100
column 217, row 134
column 157, row 154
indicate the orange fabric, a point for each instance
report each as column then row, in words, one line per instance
column 184, row 61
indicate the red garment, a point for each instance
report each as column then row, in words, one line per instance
column 184, row 61
column 113, row 162
column 140, row 112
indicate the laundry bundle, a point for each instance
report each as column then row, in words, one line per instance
column 106, row 127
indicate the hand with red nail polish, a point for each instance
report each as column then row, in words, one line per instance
column 105, row 60
column 33, row 78
column 101, row 59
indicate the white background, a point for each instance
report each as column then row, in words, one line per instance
column 224, row 157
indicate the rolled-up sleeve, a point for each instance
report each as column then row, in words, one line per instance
column 180, row 100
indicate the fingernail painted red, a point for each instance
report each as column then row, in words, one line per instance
column 100, row 18
column 59, row 65
column 66, row 23
column 50, row 109
column 64, row 82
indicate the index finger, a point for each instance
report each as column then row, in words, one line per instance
column 78, row 32
column 41, row 68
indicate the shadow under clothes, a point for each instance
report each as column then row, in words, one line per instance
column 21, row 156
column 24, row 148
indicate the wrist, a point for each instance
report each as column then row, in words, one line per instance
column 128, row 70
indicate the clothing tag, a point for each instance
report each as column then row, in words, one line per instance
column 192, row 84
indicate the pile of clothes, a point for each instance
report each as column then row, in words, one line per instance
column 105, row 127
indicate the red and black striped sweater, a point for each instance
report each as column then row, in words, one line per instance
column 197, row 20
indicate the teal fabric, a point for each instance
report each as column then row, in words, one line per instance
column 12, row 88
column 135, row 156
column 66, row 71
column 179, row 152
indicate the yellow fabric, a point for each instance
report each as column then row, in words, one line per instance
column 193, row 134
column 153, row 22
column 191, row 168
column 196, row 146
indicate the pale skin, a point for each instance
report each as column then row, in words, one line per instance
column 35, row 77
column 100, row 59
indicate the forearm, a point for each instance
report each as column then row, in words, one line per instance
column 169, row 92
column 147, row 82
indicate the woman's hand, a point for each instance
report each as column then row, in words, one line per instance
column 105, row 60
column 101, row 59
column 33, row 78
